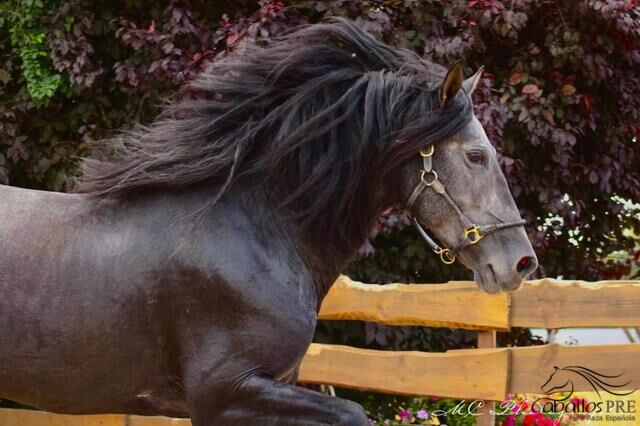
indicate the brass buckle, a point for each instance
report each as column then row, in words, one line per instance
column 424, row 173
column 428, row 153
column 475, row 231
column 446, row 256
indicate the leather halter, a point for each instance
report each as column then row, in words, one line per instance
column 472, row 233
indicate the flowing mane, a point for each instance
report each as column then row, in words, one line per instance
column 319, row 118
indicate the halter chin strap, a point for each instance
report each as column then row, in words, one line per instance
column 472, row 233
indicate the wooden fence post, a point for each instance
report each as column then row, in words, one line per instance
column 486, row 339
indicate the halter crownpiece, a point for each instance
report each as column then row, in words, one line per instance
column 472, row 233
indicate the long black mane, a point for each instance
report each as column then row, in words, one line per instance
column 320, row 117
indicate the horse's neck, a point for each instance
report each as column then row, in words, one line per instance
column 323, row 258
column 325, row 267
column 245, row 205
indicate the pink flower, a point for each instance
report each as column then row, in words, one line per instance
column 537, row 419
column 404, row 414
column 521, row 406
column 534, row 419
column 510, row 420
column 422, row 414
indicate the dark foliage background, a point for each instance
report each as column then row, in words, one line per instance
column 559, row 99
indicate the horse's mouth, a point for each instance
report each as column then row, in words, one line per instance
column 491, row 283
column 488, row 285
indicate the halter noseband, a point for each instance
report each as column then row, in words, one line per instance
column 472, row 233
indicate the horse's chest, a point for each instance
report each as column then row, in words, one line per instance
column 248, row 324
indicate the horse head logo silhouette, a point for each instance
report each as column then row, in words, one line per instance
column 562, row 380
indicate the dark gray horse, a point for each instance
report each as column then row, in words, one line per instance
column 185, row 276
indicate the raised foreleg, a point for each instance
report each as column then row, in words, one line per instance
column 261, row 400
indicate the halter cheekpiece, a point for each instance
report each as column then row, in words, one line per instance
column 472, row 233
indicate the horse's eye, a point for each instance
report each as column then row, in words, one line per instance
column 476, row 156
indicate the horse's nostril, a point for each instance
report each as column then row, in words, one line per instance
column 526, row 265
column 523, row 263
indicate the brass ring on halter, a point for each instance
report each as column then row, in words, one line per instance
column 428, row 153
column 447, row 256
column 472, row 234
column 423, row 175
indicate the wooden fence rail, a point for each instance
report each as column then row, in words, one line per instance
column 488, row 373
column 546, row 303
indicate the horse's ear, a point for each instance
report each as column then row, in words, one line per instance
column 470, row 84
column 452, row 83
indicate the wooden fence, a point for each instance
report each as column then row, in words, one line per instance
column 487, row 373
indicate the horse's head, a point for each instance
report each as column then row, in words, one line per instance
column 558, row 381
column 456, row 189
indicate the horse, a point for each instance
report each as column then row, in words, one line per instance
column 183, row 274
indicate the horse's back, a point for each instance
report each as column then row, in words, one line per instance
column 19, row 204
column 33, row 227
column 73, row 306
